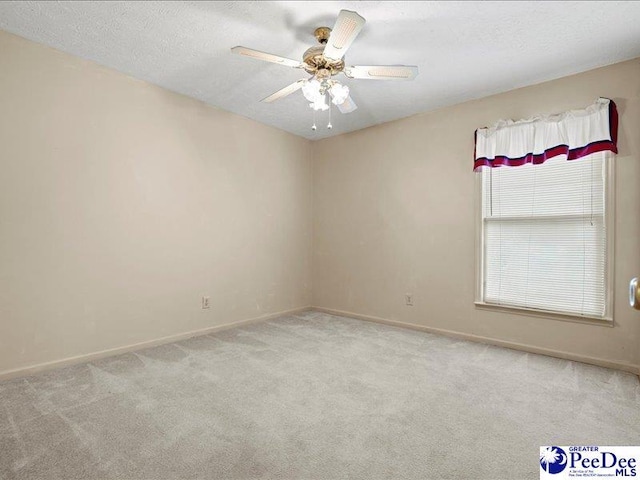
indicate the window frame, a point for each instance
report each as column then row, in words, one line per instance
column 609, row 223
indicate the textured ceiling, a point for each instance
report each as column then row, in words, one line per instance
column 464, row 49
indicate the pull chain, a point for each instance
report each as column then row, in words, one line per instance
column 329, row 126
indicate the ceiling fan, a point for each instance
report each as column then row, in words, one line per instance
column 325, row 61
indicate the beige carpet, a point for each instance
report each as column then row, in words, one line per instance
column 312, row 396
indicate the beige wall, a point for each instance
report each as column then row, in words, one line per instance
column 122, row 204
column 394, row 213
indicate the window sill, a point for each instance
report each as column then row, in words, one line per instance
column 565, row 317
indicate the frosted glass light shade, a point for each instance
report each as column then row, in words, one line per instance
column 311, row 90
column 339, row 93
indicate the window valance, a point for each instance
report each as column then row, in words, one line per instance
column 575, row 133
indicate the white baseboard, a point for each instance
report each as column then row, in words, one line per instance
column 626, row 367
column 31, row 369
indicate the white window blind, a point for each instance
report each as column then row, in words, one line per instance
column 544, row 235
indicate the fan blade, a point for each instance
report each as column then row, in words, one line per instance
column 345, row 31
column 288, row 90
column 382, row 72
column 267, row 57
column 347, row 106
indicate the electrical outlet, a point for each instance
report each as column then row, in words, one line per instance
column 205, row 302
column 408, row 299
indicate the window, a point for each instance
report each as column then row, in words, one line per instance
column 544, row 240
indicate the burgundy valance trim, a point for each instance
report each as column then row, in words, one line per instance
column 608, row 144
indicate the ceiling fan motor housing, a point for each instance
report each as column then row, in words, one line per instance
column 315, row 62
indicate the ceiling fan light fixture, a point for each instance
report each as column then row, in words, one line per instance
column 311, row 89
column 320, row 104
column 339, row 93
column 315, row 91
